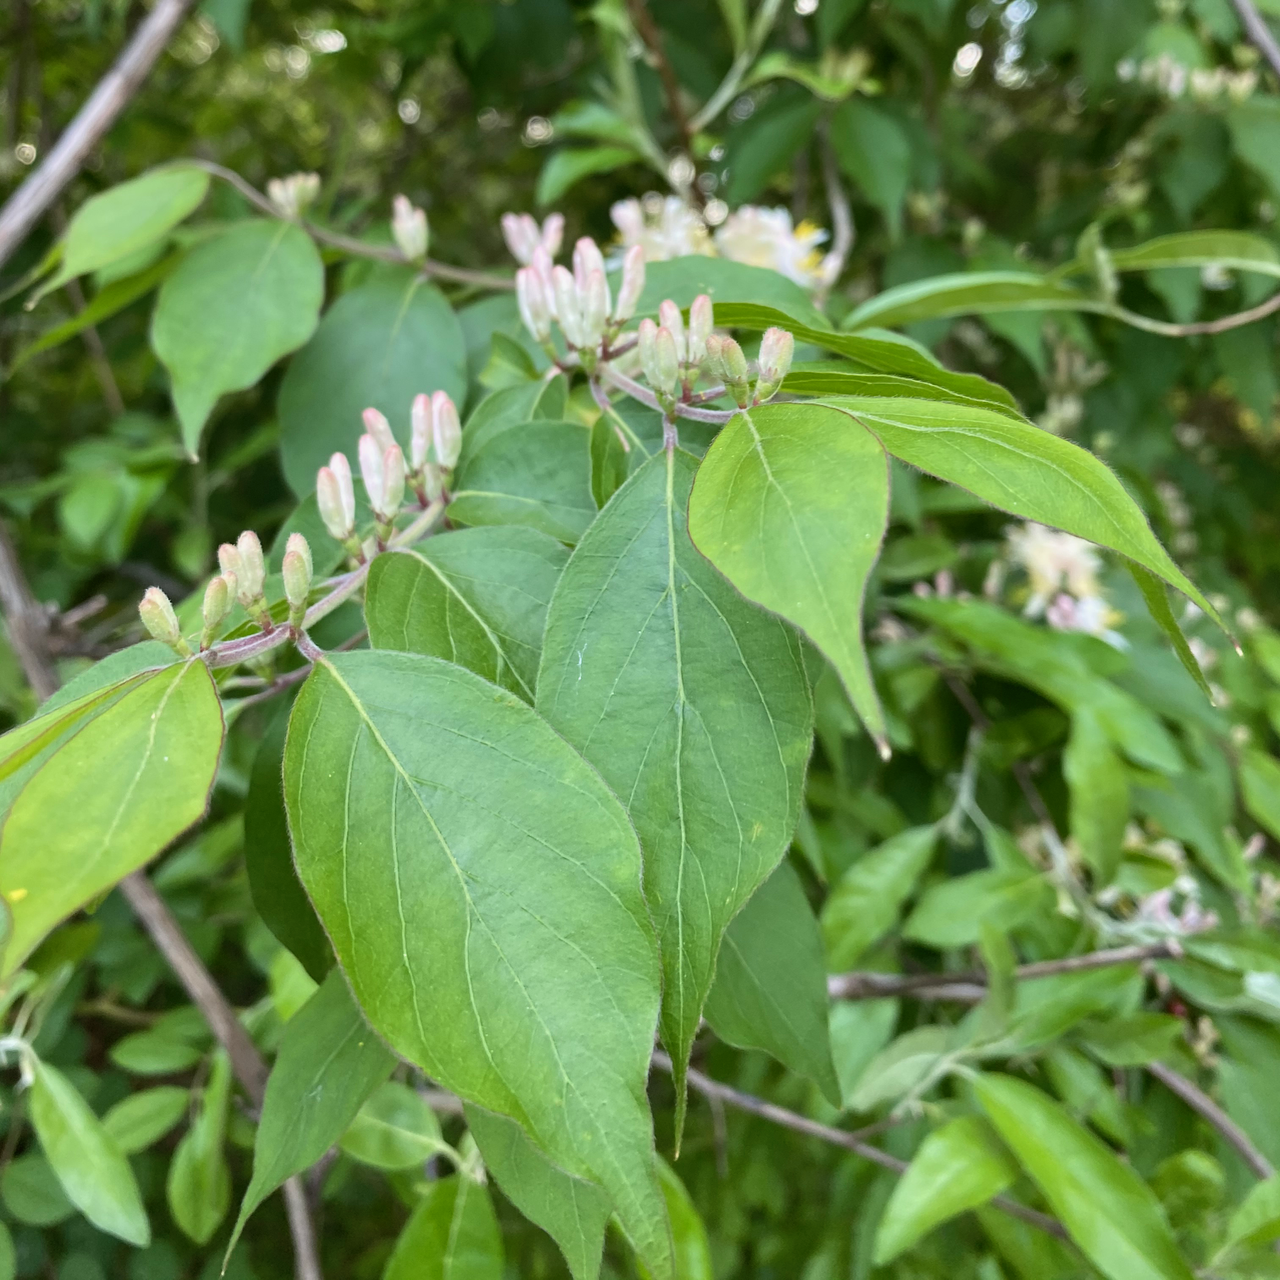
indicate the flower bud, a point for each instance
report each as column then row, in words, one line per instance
column 253, row 568
column 552, row 232
column 294, row 195
column 159, row 618
column 669, row 318
column 542, row 266
column 632, row 284
column 217, row 604
column 421, row 417
column 733, row 369
column 297, row 572
column 595, row 308
column 586, row 259
column 393, row 478
column 229, row 562
column 432, row 482
column 447, row 431
column 371, row 470
column 379, row 428
column 409, row 228
column 776, row 349
column 646, row 347
column 521, row 233
column 335, row 496
column 531, row 298
column 568, row 307
column 701, row 321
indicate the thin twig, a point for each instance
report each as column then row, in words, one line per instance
column 1199, row 1101
column 1258, row 32
column 841, row 217
column 642, row 393
column 1234, row 321
column 28, row 204
column 28, row 623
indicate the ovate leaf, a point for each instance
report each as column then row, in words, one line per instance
column 957, row 1167
column 234, row 306
column 770, row 990
column 874, row 150
column 90, row 1165
column 395, row 1129
column 791, row 505
column 1106, row 1207
column 695, row 708
column 452, row 1235
column 141, row 1119
column 198, row 1187
column 482, row 890
column 567, row 167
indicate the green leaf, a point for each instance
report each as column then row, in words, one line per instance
column 233, row 307
column 32, row 1193
column 727, row 283
column 198, row 1187
column 875, row 151
column 1253, row 126
column 328, row 1064
column 859, row 1030
column 509, row 364
column 537, row 475
column 395, row 1129
column 8, row 1255
column 128, row 782
column 378, row 346
column 1260, row 788
column 566, row 168
column 91, row 1167
column 452, row 1235
column 510, row 953
column 499, row 411
column 964, row 293
column 1234, row 250
column 768, row 143
column 693, row 705
column 688, row 1232
column 1023, row 470
column 791, row 505
column 572, row 1211
column 1105, row 1206
column 1099, row 790
column 142, row 1119
column 1132, row 1041
column 1157, row 600
column 127, row 218
column 608, row 460
column 957, row 1167
column 278, row 896
column 1257, row 1221
column 952, row 912
column 770, row 989
column 865, row 902
column 900, row 1067
column 840, row 378
column 155, row 1053
column 478, row 597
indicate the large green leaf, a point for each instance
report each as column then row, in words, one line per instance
column 957, row 1167
column 840, row 378
column 791, row 506
column 452, row 1235
column 695, row 708
column 234, row 306
column 963, row 293
column 1021, row 469
column 482, row 890
column 378, row 346
column 328, row 1064
column 1109, row 1211
column 770, row 990
column 111, row 797
column 478, row 597
column 90, row 1165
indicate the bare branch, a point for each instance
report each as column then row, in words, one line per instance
column 1258, row 32
column 28, row 204
column 27, row 622
column 841, row 216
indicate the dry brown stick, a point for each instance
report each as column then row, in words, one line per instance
column 1258, row 32
column 33, row 198
column 1199, row 1101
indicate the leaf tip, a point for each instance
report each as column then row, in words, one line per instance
column 883, row 749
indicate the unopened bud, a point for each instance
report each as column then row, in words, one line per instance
column 393, row 478
column 552, row 232
column 432, row 482
column 379, row 428
column 229, row 561
column 595, row 308
column 568, row 307
column 531, row 298
column 446, row 430
column 159, row 618
column 371, row 469
column 294, row 195
column 776, row 349
column 217, row 604
column 669, row 318
column 296, row 569
column 658, row 357
column 409, row 228
column 253, row 567
column 545, row 269
column 646, row 347
column 420, row 439
column 733, row 369
column 701, row 322
column 521, row 233
column 632, row 284
column 586, row 259
column 336, row 497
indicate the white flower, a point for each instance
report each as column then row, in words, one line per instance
column 766, row 238
column 294, row 195
column 1053, row 560
column 664, row 229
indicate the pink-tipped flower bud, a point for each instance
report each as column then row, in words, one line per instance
column 253, row 567
column 531, row 298
column 568, row 307
column 159, row 618
column 420, row 418
column 669, row 318
column 701, row 322
column 552, row 232
column 372, row 470
column 376, row 424
column 521, row 233
column 776, row 349
column 446, row 430
column 409, row 228
column 632, row 284
column 216, row 606
column 296, row 570
column 595, row 308
column 544, row 268
column 336, row 497
column 393, row 480
column 586, row 259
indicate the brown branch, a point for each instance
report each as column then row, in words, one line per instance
column 1258, row 32
column 649, row 32
column 27, row 621
column 1199, row 1101
column 28, row 204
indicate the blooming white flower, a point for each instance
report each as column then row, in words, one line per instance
column 1053, row 560
column 664, row 229
column 766, row 238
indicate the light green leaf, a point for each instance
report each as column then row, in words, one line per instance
column 198, row 1187
column 1260, row 788
column 378, row 346
column 957, row 1167
column 142, row 1119
column 8, row 1255
column 452, row 1235
column 91, row 1167
column 859, row 1030
column 900, row 1067
column 566, row 168
column 395, row 1129
column 478, row 597
column 509, row 364
column 874, row 150
column 570, row 1210
column 1048, row 1007
column 233, row 307
column 1156, row 596
column 1253, row 125
column 127, row 218
column 1023, row 470
column 840, row 378
column 108, row 799
column 32, row 1193
column 865, row 902
column 1099, row 791
column 482, row 890
column 1134, row 1040
column 1257, row 1221
column 770, row 989
column 1105, row 1206
column 952, row 912
column 688, row 1232
column 964, row 293
column 791, row 505
column 695, row 708
column 1235, row 250
column 155, row 1052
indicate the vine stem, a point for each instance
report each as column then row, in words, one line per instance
column 642, row 393
column 1258, row 32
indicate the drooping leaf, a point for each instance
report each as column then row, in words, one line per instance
column 394, row 1129
column 791, row 506
column 695, row 708
column 770, row 989
column 378, row 346
column 957, row 1167
column 1106, row 1207
column 452, row 1235
column 478, row 597
column 1157, row 600
column 233, row 307
column 129, row 781
column 91, row 1167
column 688, row 1231
column 198, row 1187
column 964, row 293
column 141, row 1119
column 482, row 890
column 840, row 378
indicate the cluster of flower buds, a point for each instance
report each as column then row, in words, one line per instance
column 726, row 361
column 294, row 195
column 409, row 228
column 524, row 237
column 670, row 354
